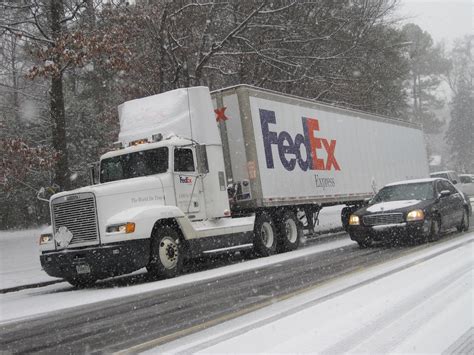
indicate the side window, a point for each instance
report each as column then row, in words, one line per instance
column 183, row 160
column 447, row 186
column 439, row 187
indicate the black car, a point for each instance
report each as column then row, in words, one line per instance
column 408, row 210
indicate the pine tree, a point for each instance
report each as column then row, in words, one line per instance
column 460, row 134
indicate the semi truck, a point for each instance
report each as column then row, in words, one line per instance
column 244, row 169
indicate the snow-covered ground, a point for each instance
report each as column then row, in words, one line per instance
column 19, row 261
column 20, row 265
column 34, row 301
column 420, row 303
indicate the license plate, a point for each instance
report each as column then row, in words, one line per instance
column 83, row 269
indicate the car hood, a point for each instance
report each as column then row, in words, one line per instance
column 394, row 206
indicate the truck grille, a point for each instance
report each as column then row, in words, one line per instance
column 78, row 215
column 381, row 219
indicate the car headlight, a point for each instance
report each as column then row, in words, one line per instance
column 354, row 220
column 415, row 215
column 45, row 239
column 128, row 227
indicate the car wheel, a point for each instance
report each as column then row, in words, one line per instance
column 464, row 226
column 265, row 241
column 82, row 281
column 364, row 244
column 166, row 254
column 289, row 232
column 434, row 230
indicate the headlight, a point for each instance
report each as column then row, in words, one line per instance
column 416, row 215
column 128, row 227
column 45, row 239
column 354, row 220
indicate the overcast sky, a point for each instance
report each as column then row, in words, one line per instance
column 443, row 19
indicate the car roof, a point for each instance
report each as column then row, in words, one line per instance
column 414, row 181
column 442, row 172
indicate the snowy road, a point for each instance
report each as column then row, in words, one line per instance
column 420, row 303
column 154, row 313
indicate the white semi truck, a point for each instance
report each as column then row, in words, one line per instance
column 198, row 173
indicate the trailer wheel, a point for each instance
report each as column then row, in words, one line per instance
column 265, row 241
column 166, row 253
column 290, row 232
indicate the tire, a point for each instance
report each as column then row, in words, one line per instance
column 289, row 232
column 82, row 281
column 464, row 226
column 166, row 253
column 434, row 230
column 364, row 244
column 265, row 236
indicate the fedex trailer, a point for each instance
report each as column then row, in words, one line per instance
column 240, row 168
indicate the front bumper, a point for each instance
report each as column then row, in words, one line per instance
column 391, row 232
column 97, row 262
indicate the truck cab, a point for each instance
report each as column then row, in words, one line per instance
column 157, row 200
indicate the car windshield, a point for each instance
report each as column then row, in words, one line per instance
column 127, row 166
column 422, row 191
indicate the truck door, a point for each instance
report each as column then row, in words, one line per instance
column 188, row 184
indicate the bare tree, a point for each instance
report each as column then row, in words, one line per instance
column 318, row 49
column 47, row 27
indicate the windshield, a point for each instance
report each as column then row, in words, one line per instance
column 423, row 191
column 127, row 166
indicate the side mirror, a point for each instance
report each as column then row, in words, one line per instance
column 94, row 173
column 45, row 193
column 201, row 156
column 444, row 193
column 455, row 182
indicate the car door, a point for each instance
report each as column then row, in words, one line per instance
column 454, row 203
column 443, row 205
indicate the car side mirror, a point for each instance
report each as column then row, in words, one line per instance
column 455, row 182
column 444, row 193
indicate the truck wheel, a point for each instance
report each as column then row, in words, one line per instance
column 265, row 241
column 290, row 232
column 166, row 254
column 464, row 226
column 82, row 281
column 434, row 230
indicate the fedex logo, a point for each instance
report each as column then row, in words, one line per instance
column 288, row 146
column 185, row 180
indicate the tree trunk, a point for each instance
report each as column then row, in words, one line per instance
column 58, row 115
column 58, row 119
